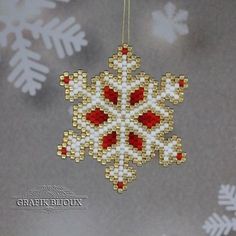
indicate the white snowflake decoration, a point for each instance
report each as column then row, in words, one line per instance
column 217, row 225
column 19, row 16
column 168, row 24
column 122, row 118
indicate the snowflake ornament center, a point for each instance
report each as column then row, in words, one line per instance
column 122, row 117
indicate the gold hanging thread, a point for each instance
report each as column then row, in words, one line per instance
column 126, row 21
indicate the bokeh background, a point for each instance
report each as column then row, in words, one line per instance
column 173, row 201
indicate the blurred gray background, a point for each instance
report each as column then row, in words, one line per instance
column 172, row 201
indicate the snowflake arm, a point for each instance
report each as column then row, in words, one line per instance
column 64, row 36
column 73, row 146
column 168, row 24
column 227, row 197
column 217, row 225
column 75, row 85
column 181, row 16
column 28, row 72
column 124, row 57
column 43, row 4
column 170, row 151
column 112, row 173
column 172, row 88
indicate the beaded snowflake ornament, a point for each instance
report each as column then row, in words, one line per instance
column 122, row 118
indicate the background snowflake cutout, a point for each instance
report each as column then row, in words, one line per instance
column 217, row 225
column 169, row 24
column 65, row 37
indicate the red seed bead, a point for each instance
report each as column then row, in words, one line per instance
column 179, row 156
column 120, row 185
column 66, row 79
column 181, row 83
column 124, row 51
column 63, row 151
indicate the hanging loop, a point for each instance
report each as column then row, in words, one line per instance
column 126, row 22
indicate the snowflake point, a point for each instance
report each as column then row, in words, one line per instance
column 179, row 156
column 120, row 185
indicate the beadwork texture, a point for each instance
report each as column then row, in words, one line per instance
column 122, row 118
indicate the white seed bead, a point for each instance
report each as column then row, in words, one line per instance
column 142, row 79
column 120, row 174
column 121, row 162
column 163, row 94
column 161, row 145
column 151, row 86
column 121, row 168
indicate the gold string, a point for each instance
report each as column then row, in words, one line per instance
column 126, row 24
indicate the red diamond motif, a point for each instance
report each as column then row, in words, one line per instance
column 108, row 140
column 137, row 95
column 149, row 119
column 135, row 141
column 110, row 94
column 97, row 116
